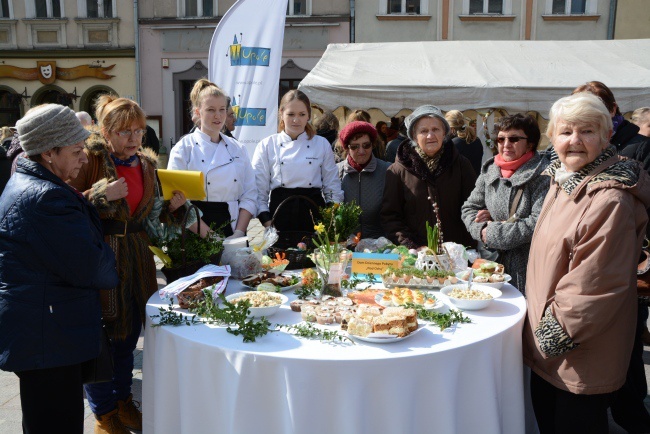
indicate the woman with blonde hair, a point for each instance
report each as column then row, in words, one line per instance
column 120, row 180
column 641, row 118
column 464, row 138
column 327, row 126
column 5, row 132
column 229, row 178
column 358, row 115
column 295, row 161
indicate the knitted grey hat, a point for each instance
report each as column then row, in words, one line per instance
column 429, row 111
column 49, row 126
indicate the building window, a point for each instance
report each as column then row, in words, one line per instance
column 47, row 9
column 403, row 7
column 298, row 7
column 99, row 9
column 46, row 33
column 485, row 7
column 10, row 103
column 198, row 8
column 571, row 7
column 8, row 34
column 4, row 9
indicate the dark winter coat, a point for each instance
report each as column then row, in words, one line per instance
column 53, row 262
column 366, row 189
column 411, row 189
column 494, row 193
column 472, row 151
column 630, row 143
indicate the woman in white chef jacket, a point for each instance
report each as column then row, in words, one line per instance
column 229, row 177
column 294, row 161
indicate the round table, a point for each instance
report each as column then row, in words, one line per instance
column 467, row 379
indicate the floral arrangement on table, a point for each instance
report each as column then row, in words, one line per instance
column 329, row 256
column 338, row 221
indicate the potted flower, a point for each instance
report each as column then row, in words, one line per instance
column 434, row 256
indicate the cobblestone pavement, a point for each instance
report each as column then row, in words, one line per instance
column 10, row 413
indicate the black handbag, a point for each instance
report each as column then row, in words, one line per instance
column 99, row 369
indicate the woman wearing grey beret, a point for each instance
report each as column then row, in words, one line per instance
column 429, row 182
column 53, row 263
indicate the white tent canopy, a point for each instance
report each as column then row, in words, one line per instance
column 517, row 76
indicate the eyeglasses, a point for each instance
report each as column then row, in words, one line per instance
column 513, row 139
column 355, row 147
column 127, row 133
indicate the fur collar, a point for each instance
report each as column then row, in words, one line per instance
column 97, row 145
column 413, row 163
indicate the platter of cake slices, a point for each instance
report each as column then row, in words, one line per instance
column 392, row 324
column 382, row 338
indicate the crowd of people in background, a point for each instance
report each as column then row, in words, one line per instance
column 567, row 222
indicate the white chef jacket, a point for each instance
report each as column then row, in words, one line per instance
column 280, row 161
column 229, row 176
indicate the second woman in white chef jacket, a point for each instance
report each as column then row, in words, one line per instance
column 229, row 177
column 292, row 162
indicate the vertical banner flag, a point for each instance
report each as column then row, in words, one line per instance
column 244, row 60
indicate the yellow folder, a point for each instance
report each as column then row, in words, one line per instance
column 190, row 182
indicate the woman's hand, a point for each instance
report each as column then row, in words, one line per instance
column 117, row 190
column 178, row 200
column 484, row 234
column 205, row 229
column 483, row 216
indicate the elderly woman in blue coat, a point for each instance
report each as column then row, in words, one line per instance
column 53, row 263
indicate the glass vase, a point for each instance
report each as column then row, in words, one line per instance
column 331, row 262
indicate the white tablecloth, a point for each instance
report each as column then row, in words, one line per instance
column 468, row 379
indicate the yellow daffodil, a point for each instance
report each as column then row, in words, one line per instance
column 320, row 228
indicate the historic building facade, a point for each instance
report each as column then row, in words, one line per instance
column 64, row 51
column 175, row 38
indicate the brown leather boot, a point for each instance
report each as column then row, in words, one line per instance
column 109, row 423
column 129, row 413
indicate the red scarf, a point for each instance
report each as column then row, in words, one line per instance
column 355, row 165
column 510, row 167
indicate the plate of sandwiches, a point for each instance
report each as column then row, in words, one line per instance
column 393, row 324
column 381, row 338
